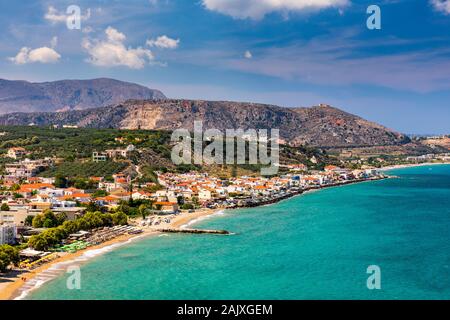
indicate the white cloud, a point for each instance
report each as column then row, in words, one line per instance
column 54, row 16
column 112, row 51
column 441, row 5
column 114, row 36
column 164, row 42
column 257, row 9
column 41, row 55
column 248, row 54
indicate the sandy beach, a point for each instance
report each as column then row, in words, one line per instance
column 12, row 282
column 401, row 166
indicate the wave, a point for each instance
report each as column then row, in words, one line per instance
column 58, row 269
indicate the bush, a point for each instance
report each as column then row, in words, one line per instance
column 60, row 181
column 119, row 218
column 187, row 206
column 29, row 220
column 48, row 219
column 8, row 255
column 4, row 207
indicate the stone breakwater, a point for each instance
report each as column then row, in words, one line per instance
column 193, row 231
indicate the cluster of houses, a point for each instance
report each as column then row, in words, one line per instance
column 27, row 168
column 33, row 195
column 214, row 192
column 430, row 157
column 24, row 168
column 113, row 154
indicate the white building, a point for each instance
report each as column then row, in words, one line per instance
column 99, row 157
column 16, row 153
column 204, row 195
column 7, row 234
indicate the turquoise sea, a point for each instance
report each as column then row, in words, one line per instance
column 314, row 246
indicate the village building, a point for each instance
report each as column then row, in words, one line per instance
column 7, row 234
column 27, row 168
column 167, row 207
column 16, row 153
column 122, row 153
column 99, row 156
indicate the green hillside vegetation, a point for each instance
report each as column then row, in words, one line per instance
column 75, row 147
column 78, row 143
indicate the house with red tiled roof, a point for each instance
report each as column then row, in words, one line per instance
column 71, row 191
column 81, row 197
column 26, row 190
column 142, row 195
column 108, row 200
column 330, row 168
column 166, row 207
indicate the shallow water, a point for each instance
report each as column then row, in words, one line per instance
column 314, row 246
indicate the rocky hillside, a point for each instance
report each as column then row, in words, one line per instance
column 322, row 126
column 23, row 96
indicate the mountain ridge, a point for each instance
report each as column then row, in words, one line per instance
column 64, row 95
column 322, row 126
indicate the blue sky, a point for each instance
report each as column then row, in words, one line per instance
column 284, row 52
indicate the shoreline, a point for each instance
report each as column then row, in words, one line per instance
column 306, row 190
column 412, row 165
column 12, row 282
column 11, row 290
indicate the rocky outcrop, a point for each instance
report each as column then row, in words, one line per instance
column 322, row 126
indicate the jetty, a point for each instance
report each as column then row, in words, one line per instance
column 193, row 231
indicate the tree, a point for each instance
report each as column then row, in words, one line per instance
column 48, row 220
column 187, row 206
column 195, row 201
column 93, row 219
column 8, row 255
column 37, row 222
column 70, row 227
column 38, row 242
column 143, row 209
column 29, row 221
column 4, row 207
column 99, row 193
column 60, row 181
column 119, row 218
column 93, row 207
column 60, row 218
